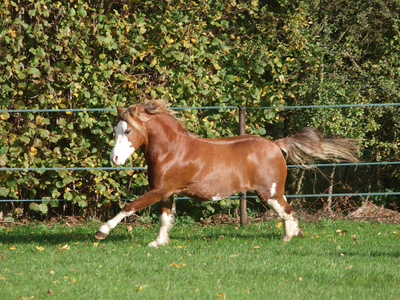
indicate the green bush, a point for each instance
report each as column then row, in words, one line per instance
column 99, row 54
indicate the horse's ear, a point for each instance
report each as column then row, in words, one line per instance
column 119, row 110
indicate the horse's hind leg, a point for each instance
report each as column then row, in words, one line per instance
column 166, row 220
column 285, row 211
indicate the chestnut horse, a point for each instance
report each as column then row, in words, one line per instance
column 211, row 169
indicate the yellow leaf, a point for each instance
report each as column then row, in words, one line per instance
column 2, row 277
column 142, row 30
column 140, row 288
column 13, row 248
column 279, row 225
column 39, row 120
column 179, row 265
column 179, row 247
column 197, row 290
column 13, row 33
column 4, row 117
column 33, row 151
column 221, row 295
column 255, row 247
column 65, row 247
column 40, row 248
column 168, row 40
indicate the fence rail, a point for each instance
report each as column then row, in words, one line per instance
column 66, row 110
column 230, row 197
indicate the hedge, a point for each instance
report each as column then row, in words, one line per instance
column 99, row 54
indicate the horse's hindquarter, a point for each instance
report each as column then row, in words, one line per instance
column 212, row 169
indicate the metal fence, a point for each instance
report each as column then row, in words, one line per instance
column 241, row 108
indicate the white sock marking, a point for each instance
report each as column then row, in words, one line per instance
column 105, row 228
column 291, row 225
column 165, row 225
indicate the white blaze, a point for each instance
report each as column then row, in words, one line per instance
column 122, row 147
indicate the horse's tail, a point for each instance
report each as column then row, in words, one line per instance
column 308, row 145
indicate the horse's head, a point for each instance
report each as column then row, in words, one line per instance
column 129, row 134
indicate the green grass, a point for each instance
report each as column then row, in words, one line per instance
column 335, row 260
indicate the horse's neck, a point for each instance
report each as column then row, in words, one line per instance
column 163, row 132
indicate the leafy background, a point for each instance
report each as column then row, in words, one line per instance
column 99, row 54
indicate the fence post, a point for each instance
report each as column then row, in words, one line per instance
column 242, row 131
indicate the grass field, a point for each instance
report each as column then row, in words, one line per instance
column 335, row 260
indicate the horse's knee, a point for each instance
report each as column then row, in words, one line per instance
column 281, row 207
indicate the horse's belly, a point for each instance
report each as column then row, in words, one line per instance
column 211, row 190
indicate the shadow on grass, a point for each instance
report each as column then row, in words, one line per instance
column 215, row 236
column 391, row 253
column 384, row 253
column 56, row 238
column 141, row 236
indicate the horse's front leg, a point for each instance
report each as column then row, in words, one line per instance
column 166, row 220
column 151, row 197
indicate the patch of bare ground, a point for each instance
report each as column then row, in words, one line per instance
column 366, row 212
column 372, row 212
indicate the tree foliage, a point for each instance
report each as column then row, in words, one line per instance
column 95, row 54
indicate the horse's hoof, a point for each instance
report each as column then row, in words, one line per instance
column 153, row 244
column 300, row 234
column 100, row 236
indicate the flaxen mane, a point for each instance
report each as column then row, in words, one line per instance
column 143, row 112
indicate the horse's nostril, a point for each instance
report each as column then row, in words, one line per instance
column 115, row 159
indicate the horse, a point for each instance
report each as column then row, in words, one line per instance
column 205, row 169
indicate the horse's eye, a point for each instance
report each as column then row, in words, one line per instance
column 128, row 131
